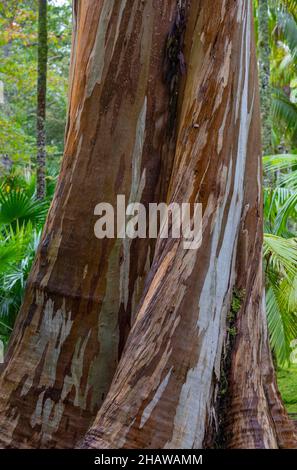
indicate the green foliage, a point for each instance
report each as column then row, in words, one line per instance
column 282, row 321
column 18, row 73
column 21, row 215
column 280, row 254
column 237, row 299
column 21, row 220
column 280, row 193
column 287, row 382
column 284, row 112
column 12, row 246
column 13, row 278
column 18, row 207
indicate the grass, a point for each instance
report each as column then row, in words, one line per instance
column 287, row 382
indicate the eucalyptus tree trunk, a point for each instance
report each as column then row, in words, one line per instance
column 264, row 73
column 82, row 291
column 41, row 98
column 196, row 370
column 163, row 106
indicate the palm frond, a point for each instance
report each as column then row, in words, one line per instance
column 281, row 254
column 17, row 207
column 284, row 111
column 284, row 165
column 288, row 210
column 291, row 7
column 279, row 161
column 282, row 323
column 13, row 244
column 288, row 27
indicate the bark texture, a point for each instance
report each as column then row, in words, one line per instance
column 41, row 98
column 82, row 292
column 126, row 98
column 166, row 391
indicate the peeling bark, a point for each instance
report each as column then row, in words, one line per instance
column 83, row 294
column 165, row 389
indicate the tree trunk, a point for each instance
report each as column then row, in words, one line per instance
column 82, row 292
column 41, row 97
column 198, row 321
column 171, row 386
column 264, row 73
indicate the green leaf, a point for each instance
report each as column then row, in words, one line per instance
column 281, row 254
column 17, row 207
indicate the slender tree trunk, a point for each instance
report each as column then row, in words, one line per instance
column 264, row 73
column 126, row 99
column 41, row 98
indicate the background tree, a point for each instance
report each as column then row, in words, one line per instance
column 264, row 71
column 41, row 97
column 18, row 72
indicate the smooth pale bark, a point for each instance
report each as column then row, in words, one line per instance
column 41, row 99
column 82, row 291
column 167, row 390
